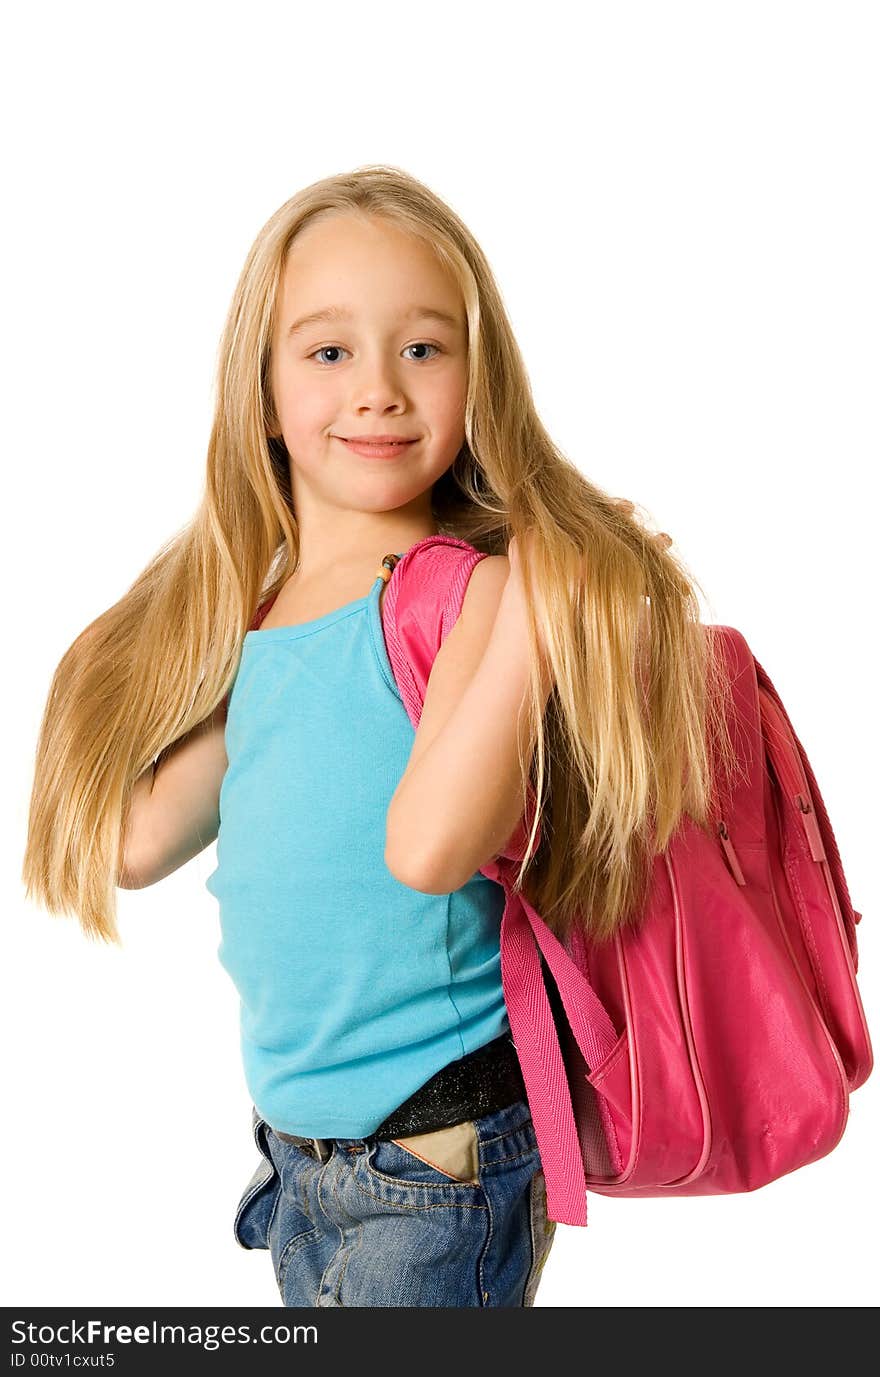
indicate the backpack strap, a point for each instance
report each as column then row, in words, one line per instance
column 422, row 603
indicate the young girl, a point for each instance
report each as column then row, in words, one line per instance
column 371, row 396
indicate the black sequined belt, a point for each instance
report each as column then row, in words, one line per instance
column 479, row 1083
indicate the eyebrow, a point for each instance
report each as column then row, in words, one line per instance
column 330, row 313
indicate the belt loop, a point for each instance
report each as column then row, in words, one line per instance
column 323, row 1148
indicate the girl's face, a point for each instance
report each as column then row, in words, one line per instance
column 383, row 363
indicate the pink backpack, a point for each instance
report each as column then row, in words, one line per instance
column 715, row 1049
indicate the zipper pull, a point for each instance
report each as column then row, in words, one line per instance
column 732, row 858
column 811, row 827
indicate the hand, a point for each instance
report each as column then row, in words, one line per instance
column 662, row 537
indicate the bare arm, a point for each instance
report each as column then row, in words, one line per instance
column 461, row 796
column 175, row 814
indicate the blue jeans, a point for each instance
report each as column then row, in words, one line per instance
column 379, row 1224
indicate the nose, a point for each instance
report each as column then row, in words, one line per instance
column 377, row 387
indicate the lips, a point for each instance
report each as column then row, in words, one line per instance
column 382, row 448
column 379, row 439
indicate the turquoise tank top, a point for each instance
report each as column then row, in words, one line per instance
column 354, row 989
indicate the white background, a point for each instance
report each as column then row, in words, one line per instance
column 680, row 204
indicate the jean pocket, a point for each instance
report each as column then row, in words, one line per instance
column 258, row 1200
column 543, row 1231
column 453, row 1151
column 446, row 1157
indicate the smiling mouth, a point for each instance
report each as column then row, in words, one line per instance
column 376, row 449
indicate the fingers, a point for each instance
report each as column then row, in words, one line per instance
column 662, row 538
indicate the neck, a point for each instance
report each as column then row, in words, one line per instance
column 357, row 545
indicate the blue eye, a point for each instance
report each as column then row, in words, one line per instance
column 421, row 344
column 324, row 349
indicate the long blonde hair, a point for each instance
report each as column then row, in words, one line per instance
column 625, row 742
